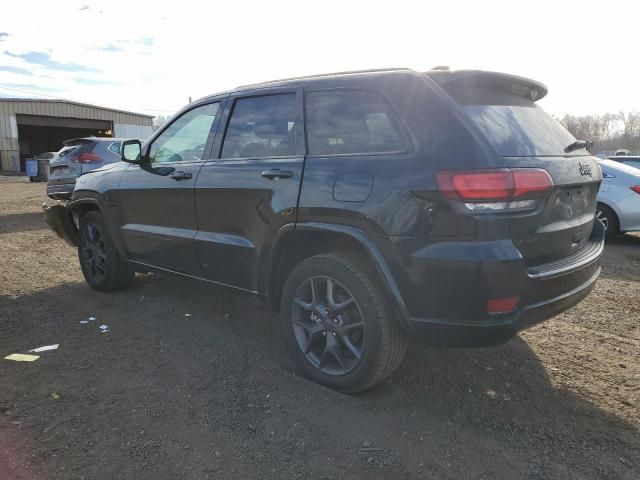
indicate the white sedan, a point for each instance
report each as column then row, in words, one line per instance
column 619, row 198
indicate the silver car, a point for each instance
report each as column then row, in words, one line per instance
column 78, row 156
column 619, row 198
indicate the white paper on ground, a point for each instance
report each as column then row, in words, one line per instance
column 21, row 357
column 46, row 348
column 84, row 321
column 92, row 319
column 104, row 327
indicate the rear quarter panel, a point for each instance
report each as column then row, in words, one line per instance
column 403, row 213
column 403, row 198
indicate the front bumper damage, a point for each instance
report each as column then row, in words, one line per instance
column 60, row 219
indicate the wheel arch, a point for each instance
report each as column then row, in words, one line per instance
column 80, row 206
column 294, row 245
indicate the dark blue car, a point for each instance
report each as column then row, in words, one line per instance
column 369, row 208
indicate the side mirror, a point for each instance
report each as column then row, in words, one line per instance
column 131, row 151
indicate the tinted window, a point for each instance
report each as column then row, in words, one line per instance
column 261, row 127
column 66, row 151
column 633, row 163
column 350, row 121
column 184, row 139
column 515, row 126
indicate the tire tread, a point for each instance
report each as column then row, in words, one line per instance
column 393, row 340
column 119, row 272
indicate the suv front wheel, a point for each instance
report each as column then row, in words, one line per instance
column 337, row 323
column 101, row 264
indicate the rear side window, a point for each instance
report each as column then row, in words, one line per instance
column 262, row 127
column 350, row 121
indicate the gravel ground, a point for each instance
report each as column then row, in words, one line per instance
column 166, row 395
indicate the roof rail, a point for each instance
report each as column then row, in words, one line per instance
column 321, row 75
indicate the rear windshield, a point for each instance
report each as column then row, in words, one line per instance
column 66, row 151
column 517, row 127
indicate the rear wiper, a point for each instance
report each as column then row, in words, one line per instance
column 577, row 145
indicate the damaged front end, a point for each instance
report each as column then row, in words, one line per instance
column 60, row 219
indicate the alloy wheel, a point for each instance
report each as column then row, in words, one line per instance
column 328, row 325
column 94, row 255
column 600, row 215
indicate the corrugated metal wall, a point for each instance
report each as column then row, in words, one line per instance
column 55, row 108
column 141, row 132
column 9, row 149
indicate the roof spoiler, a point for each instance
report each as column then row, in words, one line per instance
column 76, row 141
column 501, row 82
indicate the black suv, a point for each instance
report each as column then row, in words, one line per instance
column 369, row 208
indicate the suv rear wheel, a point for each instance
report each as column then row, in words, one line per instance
column 337, row 323
column 101, row 264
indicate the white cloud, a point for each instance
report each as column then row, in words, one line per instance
column 204, row 47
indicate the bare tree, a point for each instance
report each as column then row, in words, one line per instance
column 159, row 121
column 607, row 132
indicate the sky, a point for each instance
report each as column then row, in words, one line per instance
column 150, row 58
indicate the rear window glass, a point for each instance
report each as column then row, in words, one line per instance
column 350, row 121
column 115, row 148
column 515, row 126
column 66, row 151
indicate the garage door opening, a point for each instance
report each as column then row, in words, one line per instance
column 40, row 134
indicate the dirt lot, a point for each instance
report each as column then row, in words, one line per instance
column 213, row 395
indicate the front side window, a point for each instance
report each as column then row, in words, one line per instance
column 184, row 140
column 350, row 121
column 262, row 127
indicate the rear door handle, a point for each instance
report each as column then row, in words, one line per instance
column 277, row 173
column 181, row 176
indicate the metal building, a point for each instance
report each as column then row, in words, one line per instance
column 29, row 127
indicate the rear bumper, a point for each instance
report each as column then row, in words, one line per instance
column 498, row 329
column 60, row 191
column 446, row 288
column 59, row 219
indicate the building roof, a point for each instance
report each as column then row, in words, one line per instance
column 71, row 102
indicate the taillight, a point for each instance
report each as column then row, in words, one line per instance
column 87, row 157
column 495, row 190
column 636, row 188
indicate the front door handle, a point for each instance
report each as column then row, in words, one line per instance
column 276, row 173
column 181, row 176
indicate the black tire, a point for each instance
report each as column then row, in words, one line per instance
column 607, row 216
column 381, row 342
column 102, row 266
